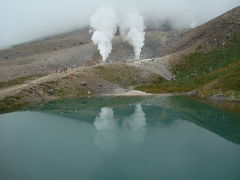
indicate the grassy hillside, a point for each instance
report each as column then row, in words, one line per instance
column 81, row 82
column 200, row 64
column 213, row 73
column 126, row 75
column 20, row 80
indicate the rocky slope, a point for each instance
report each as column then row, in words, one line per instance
column 74, row 48
column 212, row 34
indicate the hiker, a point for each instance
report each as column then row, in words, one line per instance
column 65, row 69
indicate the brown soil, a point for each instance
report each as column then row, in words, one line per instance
column 80, row 82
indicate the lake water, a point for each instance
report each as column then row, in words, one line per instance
column 120, row 138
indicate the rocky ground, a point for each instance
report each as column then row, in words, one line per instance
column 74, row 48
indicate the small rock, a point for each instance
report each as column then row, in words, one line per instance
column 84, row 83
column 50, row 91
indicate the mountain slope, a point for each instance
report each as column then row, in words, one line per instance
column 74, row 48
column 212, row 34
column 209, row 67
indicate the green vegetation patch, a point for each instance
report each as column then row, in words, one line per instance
column 53, row 90
column 11, row 103
column 200, row 64
column 166, row 87
column 20, row 80
column 226, row 82
column 65, row 89
column 126, row 75
column 83, row 92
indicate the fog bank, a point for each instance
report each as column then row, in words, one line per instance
column 27, row 20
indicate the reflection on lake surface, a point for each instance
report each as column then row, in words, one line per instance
column 109, row 128
column 120, row 138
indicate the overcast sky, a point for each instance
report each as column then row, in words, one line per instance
column 26, row 20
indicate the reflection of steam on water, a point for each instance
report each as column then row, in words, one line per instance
column 106, row 140
column 137, row 121
column 106, row 120
column 107, row 137
column 138, row 124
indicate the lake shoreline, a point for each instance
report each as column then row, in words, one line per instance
column 87, row 82
column 229, row 106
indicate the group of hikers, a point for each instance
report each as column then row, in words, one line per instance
column 65, row 68
column 87, row 65
column 90, row 63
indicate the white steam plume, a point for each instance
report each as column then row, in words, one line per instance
column 132, row 29
column 104, row 25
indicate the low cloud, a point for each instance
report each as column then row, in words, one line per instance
column 27, row 20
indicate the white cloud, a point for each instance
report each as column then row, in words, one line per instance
column 25, row 20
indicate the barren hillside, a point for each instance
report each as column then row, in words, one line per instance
column 74, row 48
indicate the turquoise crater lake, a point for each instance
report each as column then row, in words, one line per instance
column 120, row 138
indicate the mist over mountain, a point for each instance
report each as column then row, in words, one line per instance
column 26, row 20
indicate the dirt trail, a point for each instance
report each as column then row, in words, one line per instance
column 12, row 90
